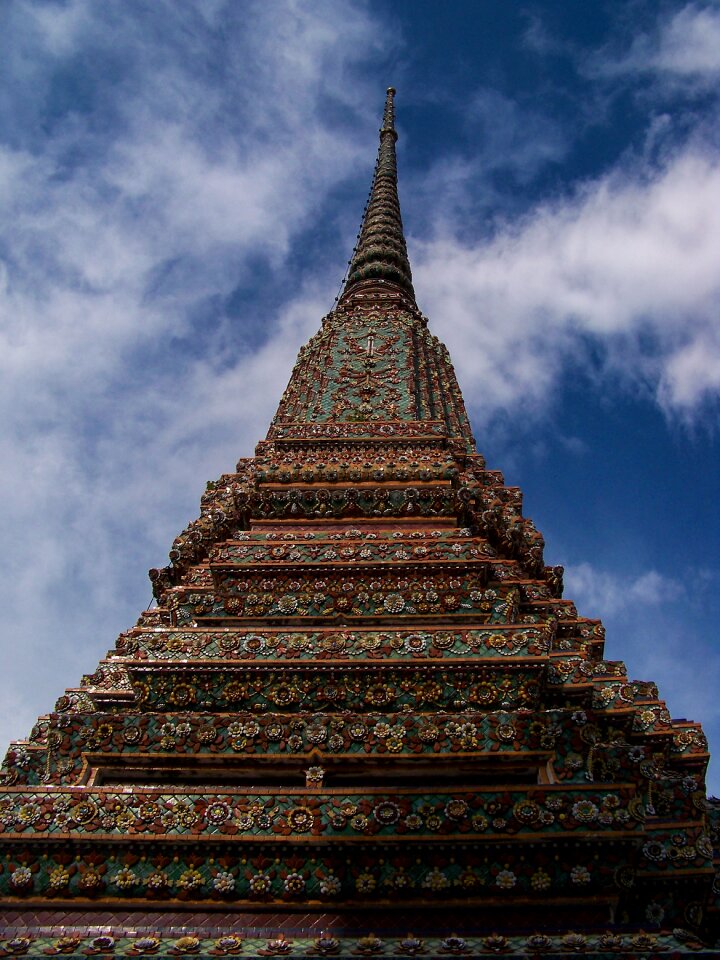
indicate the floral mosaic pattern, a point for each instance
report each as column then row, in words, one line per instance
column 278, row 875
column 364, row 603
column 496, row 643
column 340, row 553
column 358, row 502
column 601, row 946
column 360, row 689
column 391, row 462
column 347, row 815
column 384, row 594
column 570, row 738
column 362, row 430
column 376, row 369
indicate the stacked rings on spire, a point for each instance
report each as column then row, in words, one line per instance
column 381, row 252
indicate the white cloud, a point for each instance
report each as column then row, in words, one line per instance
column 648, row 627
column 627, row 264
column 126, row 220
column 206, row 139
column 603, row 593
column 691, row 373
column 513, row 135
column 509, row 141
column 685, row 45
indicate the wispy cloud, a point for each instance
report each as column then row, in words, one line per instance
column 683, row 45
column 624, row 270
column 153, row 161
column 507, row 141
column 169, row 182
column 605, row 593
column 645, row 615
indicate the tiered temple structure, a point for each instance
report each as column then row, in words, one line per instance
column 361, row 719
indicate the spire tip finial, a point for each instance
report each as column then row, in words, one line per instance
column 389, row 113
column 380, row 253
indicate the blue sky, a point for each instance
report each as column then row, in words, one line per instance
column 181, row 185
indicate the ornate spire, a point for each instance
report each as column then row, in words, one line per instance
column 374, row 371
column 381, row 253
column 360, row 694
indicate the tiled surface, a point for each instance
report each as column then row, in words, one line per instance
column 597, row 946
column 388, row 921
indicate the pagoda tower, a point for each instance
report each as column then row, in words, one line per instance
column 361, row 719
